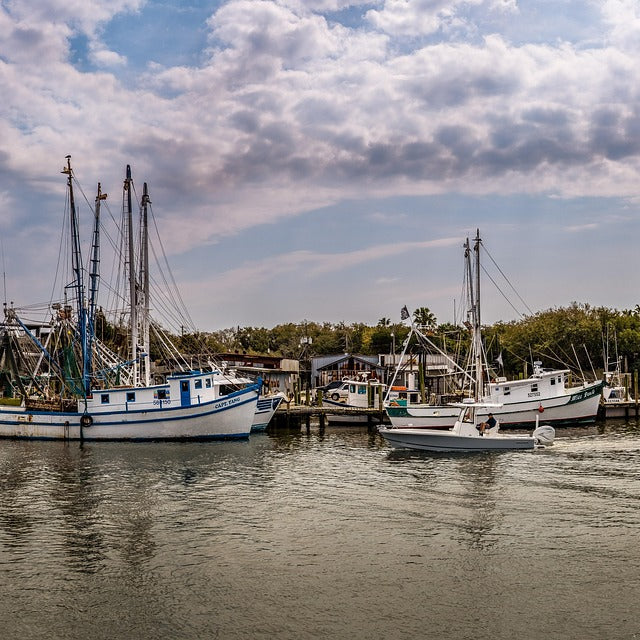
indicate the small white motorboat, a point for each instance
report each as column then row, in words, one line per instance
column 467, row 434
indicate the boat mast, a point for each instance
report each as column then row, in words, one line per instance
column 144, row 281
column 76, row 265
column 94, row 273
column 128, row 186
column 477, row 335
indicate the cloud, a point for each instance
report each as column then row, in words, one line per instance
column 289, row 110
column 426, row 17
column 319, row 265
column 589, row 226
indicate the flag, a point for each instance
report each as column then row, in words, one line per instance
column 499, row 359
column 404, row 313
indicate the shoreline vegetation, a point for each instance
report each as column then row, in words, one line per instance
column 579, row 337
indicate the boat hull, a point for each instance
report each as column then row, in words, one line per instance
column 432, row 417
column 265, row 410
column 228, row 417
column 438, row 440
column 578, row 407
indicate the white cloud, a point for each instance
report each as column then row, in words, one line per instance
column 623, row 20
column 287, row 111
column 105, row 59
column 426, row 17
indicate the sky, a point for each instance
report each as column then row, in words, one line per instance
column 324, row 160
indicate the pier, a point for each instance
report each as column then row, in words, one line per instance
column 295, row 415
column 625, row 409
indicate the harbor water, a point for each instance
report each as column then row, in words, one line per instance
column 321, row 534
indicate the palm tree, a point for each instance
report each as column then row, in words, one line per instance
column 423, row 317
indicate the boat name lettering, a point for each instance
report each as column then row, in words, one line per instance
column 228, row 403
column 533, row 394
column 164, row 403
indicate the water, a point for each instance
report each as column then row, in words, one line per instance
column 321, row 535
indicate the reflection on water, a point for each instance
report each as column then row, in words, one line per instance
column 321, row 535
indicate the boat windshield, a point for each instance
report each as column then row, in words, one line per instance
column 468, row 415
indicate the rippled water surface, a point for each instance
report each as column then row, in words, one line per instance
column 321, row 535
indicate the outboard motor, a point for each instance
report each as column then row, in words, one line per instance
column 544, row 435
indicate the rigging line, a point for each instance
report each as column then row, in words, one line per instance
column 507, row 280
column 566, row 362
column 501, row 292
column 61, row 252
column 590, row 363
column 569, row 361
column 513, row 354
column 164, row 255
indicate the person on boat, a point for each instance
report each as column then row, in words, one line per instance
column 489, row 424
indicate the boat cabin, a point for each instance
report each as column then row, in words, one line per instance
column 180, row 390
column 543, row 383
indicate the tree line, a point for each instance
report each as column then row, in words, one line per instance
column 577, row 337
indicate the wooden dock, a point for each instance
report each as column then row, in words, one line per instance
column 626, row 409
column 295, row 415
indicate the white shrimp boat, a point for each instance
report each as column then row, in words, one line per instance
column 188, row 405
column 465, row 435
column 546, row 391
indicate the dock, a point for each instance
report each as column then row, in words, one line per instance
column 624, row 409
column 289, row 415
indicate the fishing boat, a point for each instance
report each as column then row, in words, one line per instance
column 545, row 391
column 466, row 434
column 354, row 395
column 72, row 394
column 265, row 410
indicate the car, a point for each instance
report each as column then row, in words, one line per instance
column 333, row 390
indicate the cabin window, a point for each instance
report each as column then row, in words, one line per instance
column 131, row 396
column 534, row 387
column 198, row 384
column 362, row 389
column 104, row 398
column 414, row 398
column 207, row 383
column 162, row 394
column 553, row 380
column 507, row 391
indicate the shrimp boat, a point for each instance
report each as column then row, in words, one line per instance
column 545, row 391
column 71, row 392
column 465, row 435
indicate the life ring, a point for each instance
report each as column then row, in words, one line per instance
column 86, row 420
column 335, row 396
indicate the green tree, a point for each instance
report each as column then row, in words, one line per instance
column 423, row 317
